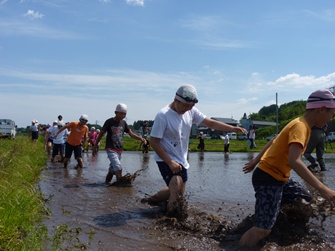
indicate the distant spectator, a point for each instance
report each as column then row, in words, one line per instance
column 60, row 119
column 252, row 137
column 226, row 143
column 145, row 145
column 92, row 137
column 317, row 142
column 201, row 145
column 35, row 130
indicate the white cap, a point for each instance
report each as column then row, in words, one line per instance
column 121, row 108
column 83, row 117
column 187, row 94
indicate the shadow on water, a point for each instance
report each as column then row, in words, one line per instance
column 220, row 197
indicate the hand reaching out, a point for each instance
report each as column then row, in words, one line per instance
column 248, row 167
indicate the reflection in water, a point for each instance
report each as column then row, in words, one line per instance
column 145, row 161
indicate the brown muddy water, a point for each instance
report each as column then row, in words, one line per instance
column 88, row 215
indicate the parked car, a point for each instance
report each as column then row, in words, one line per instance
column 242, row 137
column 330, row 137
column 231, row 135
column 7, row 128
column 271, row 137
column 206, row 136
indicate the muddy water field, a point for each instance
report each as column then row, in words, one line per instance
column 85, row 214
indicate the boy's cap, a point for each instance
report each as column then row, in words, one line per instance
column 121, row 108
column 187, row 94
column 320, row 98
column 83, row 117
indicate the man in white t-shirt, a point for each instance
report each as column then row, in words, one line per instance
column 58, row 142
column 170, row 141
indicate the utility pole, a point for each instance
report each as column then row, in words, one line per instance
column 276, row 113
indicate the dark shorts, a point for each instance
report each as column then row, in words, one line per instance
column 270, row 197
column 57, row 149
column 70, row 148
column 50, row 140
column 167, row 173
column 34, row 135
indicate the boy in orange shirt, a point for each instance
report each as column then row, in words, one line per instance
column 271, row 179
column 78, row 131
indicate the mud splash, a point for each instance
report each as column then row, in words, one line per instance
column 127, row 180
column 292, row 231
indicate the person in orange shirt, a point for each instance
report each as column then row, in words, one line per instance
column 79, row 131
column 271, row 179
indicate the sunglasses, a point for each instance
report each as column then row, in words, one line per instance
column 84, row 120
column 187, row 99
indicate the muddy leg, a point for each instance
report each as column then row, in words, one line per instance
column 66, row 162
column 177, row 189
column 118, row 175
column 80, row 162
column 253, row 236
column 109, row 177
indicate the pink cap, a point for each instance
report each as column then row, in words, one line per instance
column 320, row 98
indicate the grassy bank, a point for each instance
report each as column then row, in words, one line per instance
column 211, row 145
column 21, row 206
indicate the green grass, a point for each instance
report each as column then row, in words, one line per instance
column 211, row 145
column 21, row 205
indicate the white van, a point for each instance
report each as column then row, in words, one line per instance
column 7, row 128
column 232, row 135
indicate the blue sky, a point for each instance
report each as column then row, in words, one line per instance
column 73, row 57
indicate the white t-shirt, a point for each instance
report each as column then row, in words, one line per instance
column 252, row 134
column 60, row 136
column 174, row 131
column 34, row 127
column 226, row 139
column 52, row 130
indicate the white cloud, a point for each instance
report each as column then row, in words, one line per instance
column 33, row 14
column 137, row 89
column 288, row 82
column 135, row 2
column 17, row 28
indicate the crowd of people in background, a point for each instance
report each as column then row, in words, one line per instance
column 169, row 138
